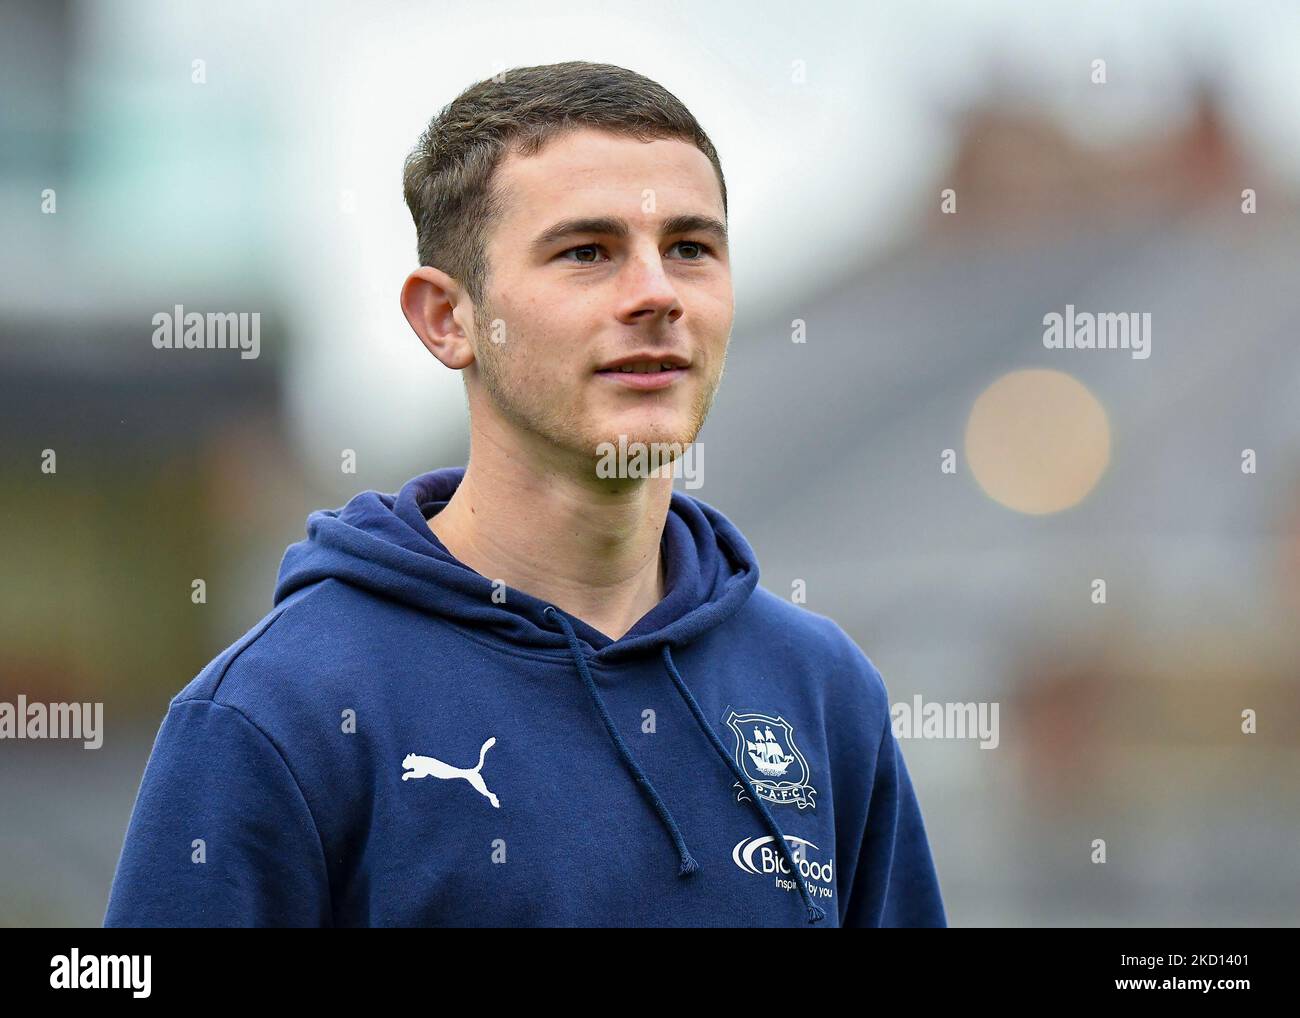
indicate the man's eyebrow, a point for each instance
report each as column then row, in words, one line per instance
column 612, row 226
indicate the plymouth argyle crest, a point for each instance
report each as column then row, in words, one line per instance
column 766, row 753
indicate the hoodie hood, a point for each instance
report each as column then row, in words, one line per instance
column 382, row 543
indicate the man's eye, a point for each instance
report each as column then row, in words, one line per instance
column 700, row 248
column 582, row 251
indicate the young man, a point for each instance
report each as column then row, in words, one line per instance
column 526, row 692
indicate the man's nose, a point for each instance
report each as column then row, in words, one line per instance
column 647, row 292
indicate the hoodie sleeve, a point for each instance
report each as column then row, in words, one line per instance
column 895, row 883
column 220, row 834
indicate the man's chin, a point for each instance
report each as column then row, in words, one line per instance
column 633, row 451
column 635, row 437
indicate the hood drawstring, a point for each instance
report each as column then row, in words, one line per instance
column 688, row 864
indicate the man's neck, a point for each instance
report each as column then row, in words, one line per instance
column 586, row 545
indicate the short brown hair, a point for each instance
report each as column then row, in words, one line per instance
column 447, row 178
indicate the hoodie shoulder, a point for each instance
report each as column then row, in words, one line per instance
column 274, row 664
column 824, row 646
column 205, row 685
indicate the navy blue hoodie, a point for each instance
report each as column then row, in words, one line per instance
column 403, row 742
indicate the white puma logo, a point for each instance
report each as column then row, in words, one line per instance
column 427, row 766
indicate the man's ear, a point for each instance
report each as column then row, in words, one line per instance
column 435, row 306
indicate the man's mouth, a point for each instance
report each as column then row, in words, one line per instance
column 644, row 374
column 640, row 368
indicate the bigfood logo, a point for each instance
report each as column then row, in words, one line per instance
column 761, row 857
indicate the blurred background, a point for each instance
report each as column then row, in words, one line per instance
column 247, row 157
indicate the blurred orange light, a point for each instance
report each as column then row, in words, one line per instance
column 1037, row 441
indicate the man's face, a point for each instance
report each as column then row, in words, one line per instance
column 567, row 305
